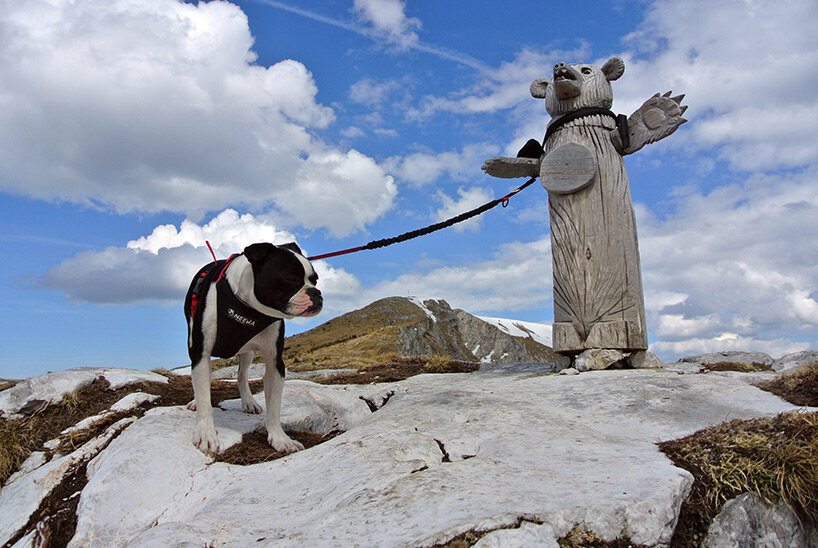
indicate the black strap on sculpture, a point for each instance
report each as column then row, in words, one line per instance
column 621, row 122
column 376, row 244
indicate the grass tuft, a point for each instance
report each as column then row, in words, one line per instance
column 14, row 448
column 8, row 383
column 71, row 400
column 775, row 458
column 798, row 386
column 438, row 364
column 737, row 366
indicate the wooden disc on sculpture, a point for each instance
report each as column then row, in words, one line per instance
column 568, row 168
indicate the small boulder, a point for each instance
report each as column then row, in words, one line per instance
column 642, row 359
column 597, row 358
column 569, row 371
column 748, row 520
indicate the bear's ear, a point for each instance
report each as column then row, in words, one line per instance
column 613, row 68
column 258, row 252
column 292, row 246
column 538, row 87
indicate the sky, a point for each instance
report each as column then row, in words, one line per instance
column 132, row 131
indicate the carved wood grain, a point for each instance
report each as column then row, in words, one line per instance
column 598, row 300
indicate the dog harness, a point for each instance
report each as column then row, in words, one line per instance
column 236, row 321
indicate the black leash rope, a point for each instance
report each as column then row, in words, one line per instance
column 377, row 244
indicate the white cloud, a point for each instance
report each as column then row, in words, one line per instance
column 227, row 233
column 421, row 168
column 389, row 21
column 384, row 132
column 748, row 69
column 739, row 259
column 160, row 266
column 468, row 199
column 373, row 93
column 516, row 277
column 331, row 188
column 352, row 132
column 159, row 106
column 504, row 87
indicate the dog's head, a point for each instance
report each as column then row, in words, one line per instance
column 284, row 279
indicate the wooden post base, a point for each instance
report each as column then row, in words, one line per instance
column 624, row 335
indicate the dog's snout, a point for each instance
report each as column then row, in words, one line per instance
column 316, row 298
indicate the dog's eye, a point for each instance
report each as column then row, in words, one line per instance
column 586, row 70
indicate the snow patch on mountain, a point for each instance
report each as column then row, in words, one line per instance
column 540, row 332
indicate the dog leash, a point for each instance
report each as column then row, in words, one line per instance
column 377, row 244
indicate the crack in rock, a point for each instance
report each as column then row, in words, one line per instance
column 373, row 406
column 446, row 457
column 469, row 534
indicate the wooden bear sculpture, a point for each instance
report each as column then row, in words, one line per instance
column 598, row 298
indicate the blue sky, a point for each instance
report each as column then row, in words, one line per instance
column 131, row 131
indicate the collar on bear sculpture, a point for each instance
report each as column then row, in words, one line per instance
column 621, row 122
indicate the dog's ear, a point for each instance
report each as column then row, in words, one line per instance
column 258, row 252
column 292, row 246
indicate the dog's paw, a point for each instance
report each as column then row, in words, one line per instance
column 282, row 442
column 206, row 439
column 251, row 406
column 191, row 405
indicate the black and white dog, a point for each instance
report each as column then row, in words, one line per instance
column 235, row 307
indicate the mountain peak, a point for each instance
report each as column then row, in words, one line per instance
column 407, row 326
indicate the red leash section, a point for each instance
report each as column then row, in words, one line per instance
column 376, row 244
column 336, row 253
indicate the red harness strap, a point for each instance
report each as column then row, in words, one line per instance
column 194, row 298
column 226, row 264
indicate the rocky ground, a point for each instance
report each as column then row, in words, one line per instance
column 507, row 455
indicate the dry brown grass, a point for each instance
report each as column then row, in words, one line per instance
column 254, row 448
column 398, row 369
column 737, row 366
column 576, row 538
column 775, row 458
column 580, row 538
column 437, row 364
column 8, row 383
column 14, row 448
column 365, row 336
column 798, row 386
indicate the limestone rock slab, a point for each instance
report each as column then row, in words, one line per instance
column 445, row 455
column 731, row 356
column 796, row 359
column 28, row 395
column 313, row 407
